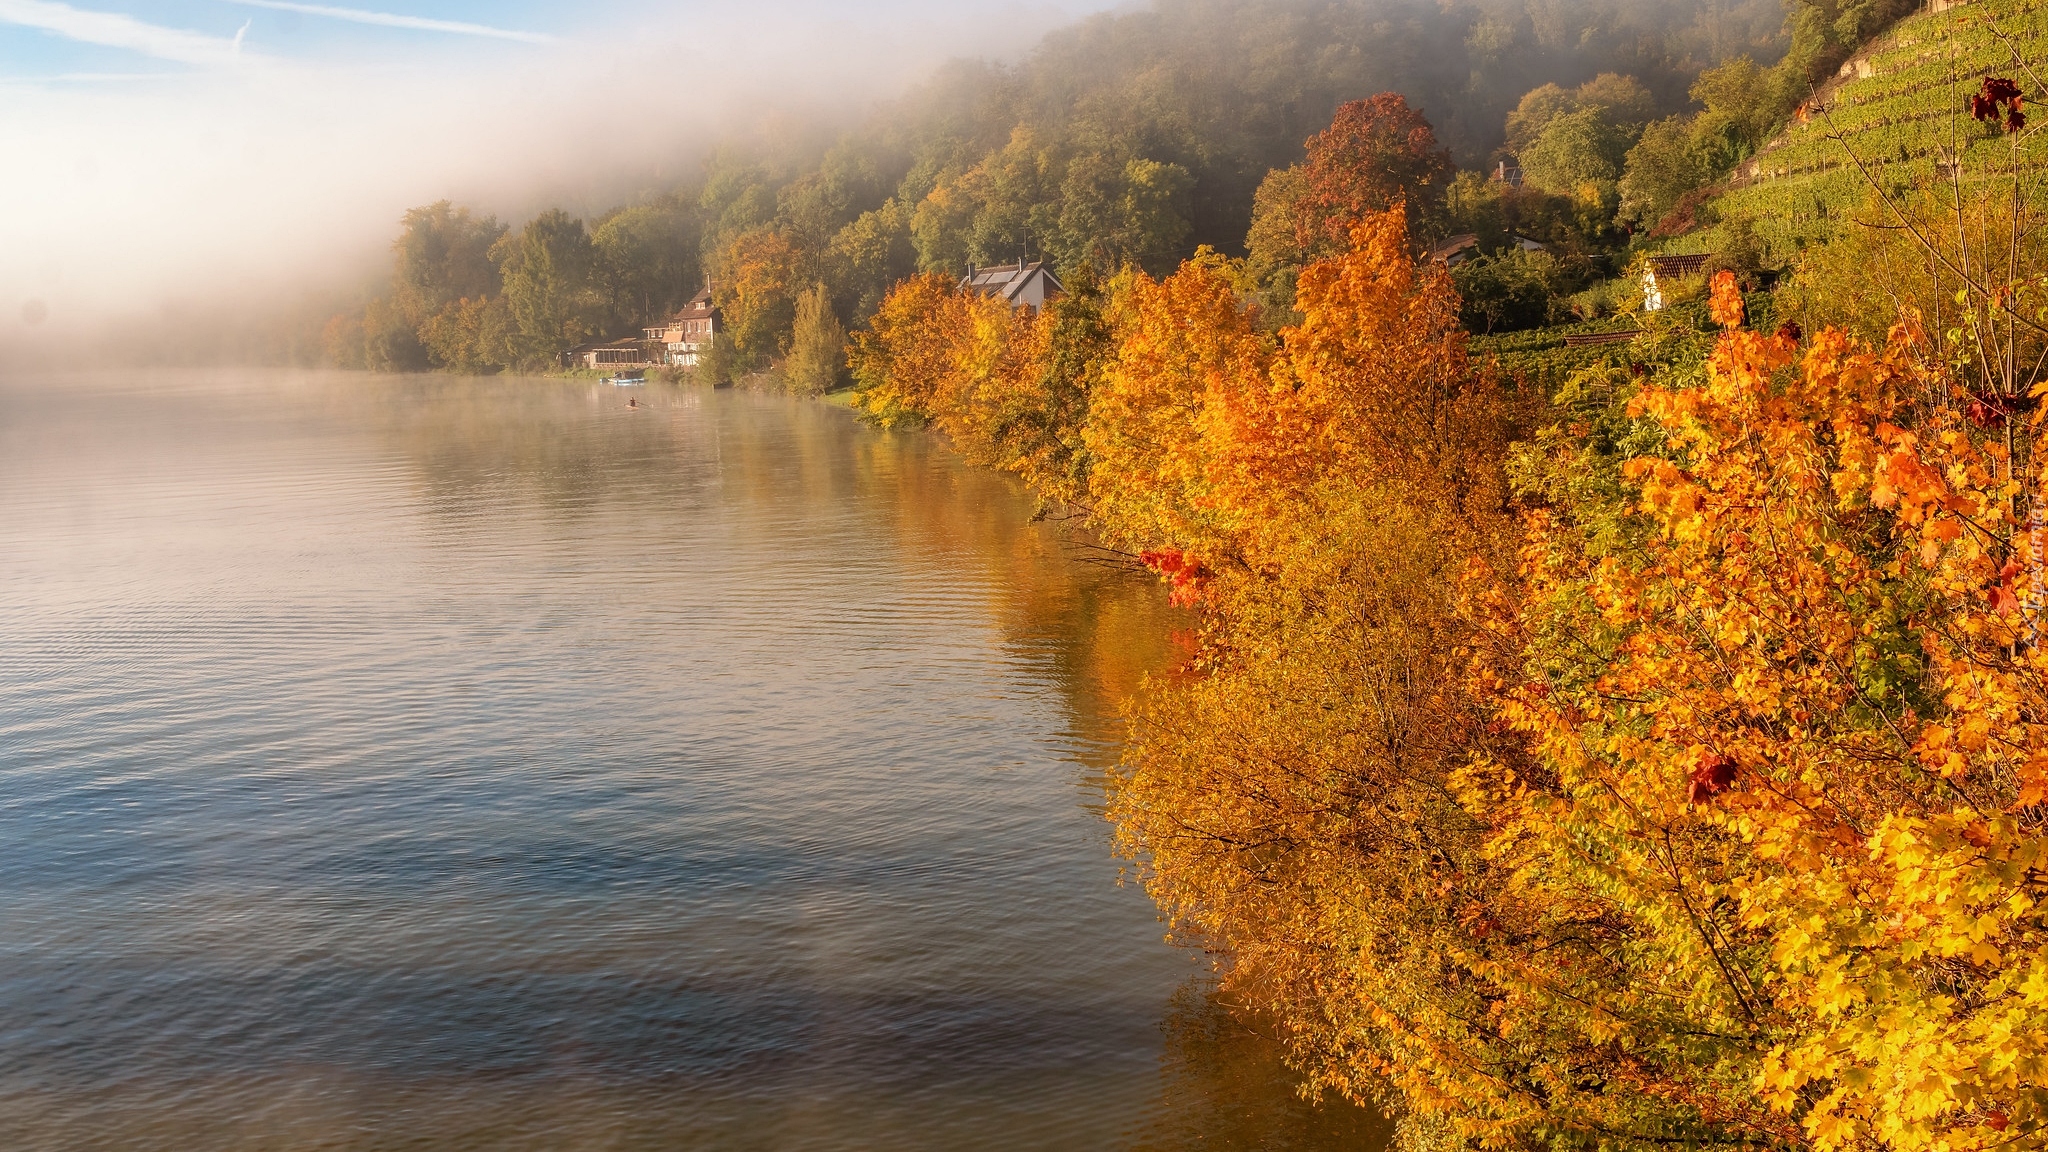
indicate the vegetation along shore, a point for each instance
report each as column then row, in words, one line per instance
column 1620, row 713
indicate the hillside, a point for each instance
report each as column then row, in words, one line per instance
column 1899, row 109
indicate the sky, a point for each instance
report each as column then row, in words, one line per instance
column 171, row 154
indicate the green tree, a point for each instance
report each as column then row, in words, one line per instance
column 645, row 258
column 737, row 197
column 1154, row 222
column 1275, row 253
column 1013, row 192
column 467, row 335
column 1742, row 105
column 719, row 364
column 1824, row 33
column 443, row 254
column 1662, row 167
column 551, row 301
column 1507, row 291
column 939, row 228
column 871, row 253
column 391, row 343
column 1534, row 113
column 817, row 347
column 1580, row 155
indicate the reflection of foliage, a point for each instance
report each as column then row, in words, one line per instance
column 1224, row 1085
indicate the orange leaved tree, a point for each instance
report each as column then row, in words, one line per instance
column 1784, row 705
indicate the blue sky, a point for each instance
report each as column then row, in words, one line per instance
column 50, row 39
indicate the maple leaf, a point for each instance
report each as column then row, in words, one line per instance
column 1713, row 776
column 1725, row 303
column 1998, row 90
column 2004, row 600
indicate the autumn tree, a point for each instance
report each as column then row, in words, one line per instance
column 817, row 349
column 756, row 278
column 1774, row 663
column 1294, row 798
column 901, row 360
column 1375, row 154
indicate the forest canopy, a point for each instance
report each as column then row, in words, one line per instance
column 1128, row 138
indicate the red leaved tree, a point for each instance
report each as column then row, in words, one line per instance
column 1374, row 154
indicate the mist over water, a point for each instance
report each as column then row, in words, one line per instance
column 450, row 763
column 170, row 177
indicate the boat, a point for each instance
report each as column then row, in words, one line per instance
column 627, row 378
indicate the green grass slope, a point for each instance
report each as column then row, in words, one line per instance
column 1896, row 116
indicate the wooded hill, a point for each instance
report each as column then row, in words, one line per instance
column 1131, row 137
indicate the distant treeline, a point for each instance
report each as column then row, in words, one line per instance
column 1130, row 138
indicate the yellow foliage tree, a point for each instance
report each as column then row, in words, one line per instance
column 1785, row 737
column 1693, row 793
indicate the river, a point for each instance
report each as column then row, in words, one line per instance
column 439, row 763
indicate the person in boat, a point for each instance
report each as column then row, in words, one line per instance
column 632, row 401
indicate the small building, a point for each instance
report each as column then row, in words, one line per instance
column 1660, row 271
column 612, row 354
column 1018, row 283
column 1508, row 174
column 1457, row 249
column 689, row 333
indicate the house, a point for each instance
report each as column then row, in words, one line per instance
column 1508, row 174
column 614, row 354
column 688, row 334
column 1457, row 249
column 1660, row 271
column 1018, row 283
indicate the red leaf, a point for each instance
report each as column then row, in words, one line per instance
column 1715, row 773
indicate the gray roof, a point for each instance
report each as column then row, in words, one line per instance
column 1009, row 280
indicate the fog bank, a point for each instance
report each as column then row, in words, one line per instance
column 219, row 174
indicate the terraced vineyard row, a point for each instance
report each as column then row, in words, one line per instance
column 1901, row 118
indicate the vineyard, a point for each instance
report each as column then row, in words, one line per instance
column 1896, row 120
column 1677, row 336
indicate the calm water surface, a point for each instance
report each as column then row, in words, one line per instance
column 433, row 763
